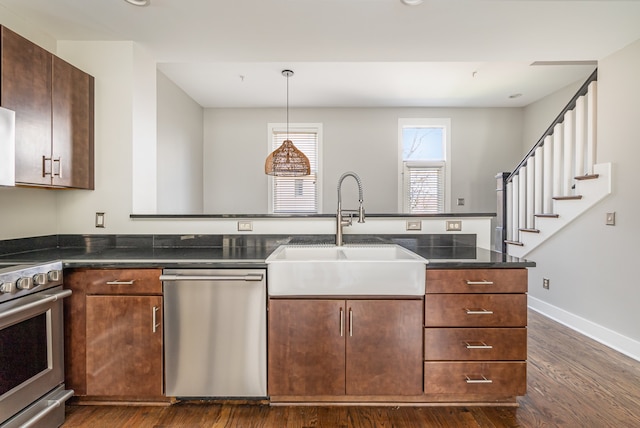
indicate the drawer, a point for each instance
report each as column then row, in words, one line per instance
column 500, row 378
column 475, row 310
column 476, row 281
column 121, row 281
column 475, row 344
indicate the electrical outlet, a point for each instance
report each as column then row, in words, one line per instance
column 611, row 219
column 453, row 225
column 245, row 226
column 460, row 202
column 100, row 220
column 414, row 225
column 545, row 283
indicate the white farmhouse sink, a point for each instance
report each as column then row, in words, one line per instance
column 380, row 270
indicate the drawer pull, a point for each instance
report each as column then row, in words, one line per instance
column 121, row 282
column 478, row 311
column 477, row 345
column 485, row 282
column 154, row 319
column 483, row 380
column 341, row 322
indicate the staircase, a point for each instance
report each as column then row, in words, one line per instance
column 557, row 180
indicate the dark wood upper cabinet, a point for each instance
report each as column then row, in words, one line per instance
column 72, row 120
column 53, row 102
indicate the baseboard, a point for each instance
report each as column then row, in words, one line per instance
column 607, row 337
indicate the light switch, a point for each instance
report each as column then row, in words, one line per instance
column 611, row 219
column 414, row 225
column 100, row 220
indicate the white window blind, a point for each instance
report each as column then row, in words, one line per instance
column 424, row 184
column 296, row 194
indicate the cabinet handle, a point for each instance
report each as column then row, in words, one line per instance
column 154, row 316
column 485, row 282
column 350, row 322
column 478, row 311
column 44, row 166
column 477, row 345
column 121, row 282
column 341, row 322
column 483, row 380
column 59, row 173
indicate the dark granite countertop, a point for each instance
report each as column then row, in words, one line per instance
column 452, row 251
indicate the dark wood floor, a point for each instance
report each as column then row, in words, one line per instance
column 573, row 381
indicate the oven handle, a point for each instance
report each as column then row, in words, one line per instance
column 52, row 404
column 44, row 301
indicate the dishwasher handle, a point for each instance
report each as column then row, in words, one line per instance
column 243, row 277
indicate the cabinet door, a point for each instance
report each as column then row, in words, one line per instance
column 124, row 345
column 306, row 347
column 26, row 89
column 384, row 347
column 72, row 103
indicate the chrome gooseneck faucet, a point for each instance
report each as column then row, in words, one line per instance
column 345, row 217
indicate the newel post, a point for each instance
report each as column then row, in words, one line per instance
column 500, row 235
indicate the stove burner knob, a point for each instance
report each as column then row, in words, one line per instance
column 25, row 283
column 40, row 279
column 7, row 287
column 55, row 275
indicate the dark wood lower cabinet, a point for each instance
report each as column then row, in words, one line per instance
column 124, row 345
column 113, row 335
column 345, row 347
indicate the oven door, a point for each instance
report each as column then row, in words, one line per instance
column 31, row 349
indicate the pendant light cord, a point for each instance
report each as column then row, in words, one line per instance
column 288, row 74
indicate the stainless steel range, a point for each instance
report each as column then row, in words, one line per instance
column 32, row 390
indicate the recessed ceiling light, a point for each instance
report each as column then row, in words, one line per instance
column 412, row 2
column 139, row 2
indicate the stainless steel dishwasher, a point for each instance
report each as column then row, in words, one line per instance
column 215, row 333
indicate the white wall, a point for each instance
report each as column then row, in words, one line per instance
column 111, row 64
column 364, row 140
column 594, row 281
column 180, row 164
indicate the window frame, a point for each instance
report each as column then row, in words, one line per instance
column 293, row 128
column 446, row 164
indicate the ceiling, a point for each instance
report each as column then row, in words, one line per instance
column 355, row 53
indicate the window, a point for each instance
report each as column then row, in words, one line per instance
column 424, row 154
column 296, row 194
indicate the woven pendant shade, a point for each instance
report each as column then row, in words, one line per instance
column 287, row 161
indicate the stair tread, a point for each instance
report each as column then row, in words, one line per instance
column 567, row 198
column 587, row 177
column 547, row 215
column 529, row 230
column 518, row 243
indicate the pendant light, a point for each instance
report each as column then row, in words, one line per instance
column 287, row 160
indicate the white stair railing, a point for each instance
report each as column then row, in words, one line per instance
column 565, row 151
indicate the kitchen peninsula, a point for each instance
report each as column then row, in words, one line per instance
column 489, row 368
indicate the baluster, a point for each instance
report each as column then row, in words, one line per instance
column 515, row 217
column 531, row 163
column 538, row 187
column 581, row 133
column 522, row 197
column 509, row 211
column 548, row 175
column 557, row 160
column 568, row 142
column 591, row 126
